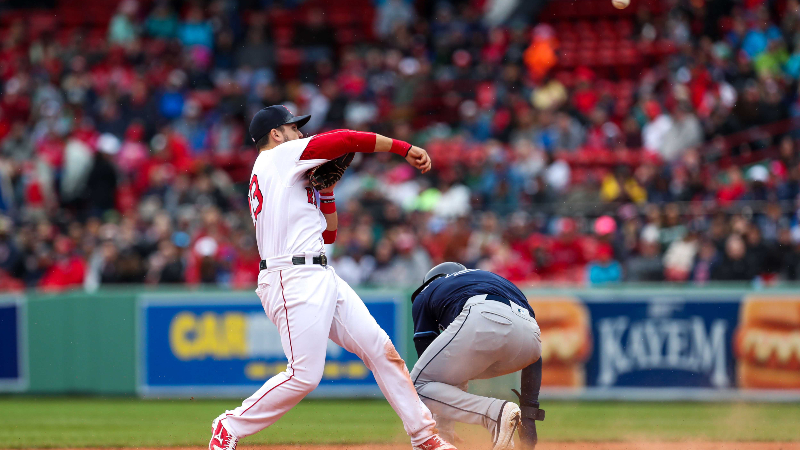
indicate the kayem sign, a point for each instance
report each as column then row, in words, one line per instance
column 656, row 343
column 699, row 346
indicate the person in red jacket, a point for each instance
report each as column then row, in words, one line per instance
column 566, row 251
column 67, row 271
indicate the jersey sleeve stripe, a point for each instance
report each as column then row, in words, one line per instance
column 333, row 144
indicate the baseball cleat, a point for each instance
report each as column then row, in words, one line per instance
column 221, row 438
column 510, row 417
column 434, row 443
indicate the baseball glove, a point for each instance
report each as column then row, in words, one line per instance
column 328, row 174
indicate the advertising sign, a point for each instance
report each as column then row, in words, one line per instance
column 662, row 343
column 767, row 343
column 566, row 340
column 636, row 345
column 13, row 370
column 225, row 345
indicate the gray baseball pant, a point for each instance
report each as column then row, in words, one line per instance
column 488, row 339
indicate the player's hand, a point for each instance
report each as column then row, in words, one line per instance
column 328, row 190
column 419, row 158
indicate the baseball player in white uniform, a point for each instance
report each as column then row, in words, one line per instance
column 300, row 292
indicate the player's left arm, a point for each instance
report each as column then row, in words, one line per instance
column 425, row 326
column 333, row 144
column 327, row 204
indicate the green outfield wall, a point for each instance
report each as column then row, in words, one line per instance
column 82, row 343
column 86, row 343
column 625, row 342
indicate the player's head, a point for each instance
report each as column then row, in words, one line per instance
column 275, row 125
column 441, row 270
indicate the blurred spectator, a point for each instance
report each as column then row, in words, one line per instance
column 209, row 268
column 255, row 52
column 734, row 265
column 679, row 257
column 540, row 57
column 772, row 222
column 136, row 153
column 162, row 22
column 78, row 165
column 316, row 36
column 673, row 228
column 647, row 265
column 101, row 183
column 383, row 273
column 604, row 269
column 567, row 251
column 67, row 268
column 621, row 186
column 10, row 256
column 569, row 133
column 123, row 29
column 391, row 14
column 195, row 30
column 789, row 247
column 166, row 265
column 483, row 241
column 704, row 265
column 684, row 132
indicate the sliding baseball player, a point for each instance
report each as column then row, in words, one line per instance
column 473, row 324
column 299, row 291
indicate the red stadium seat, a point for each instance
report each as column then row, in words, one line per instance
column 568, row 59
column 349, row 36
column 206, row 98
column 40, row 22
column 289, row 61
column 283, row 35
column 624, row 28
column 281, row 18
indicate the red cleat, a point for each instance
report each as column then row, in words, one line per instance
column 221, row 439
column 434, row 443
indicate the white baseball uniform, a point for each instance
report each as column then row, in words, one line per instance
column 309, row 303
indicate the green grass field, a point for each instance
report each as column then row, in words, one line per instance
column 31, row 422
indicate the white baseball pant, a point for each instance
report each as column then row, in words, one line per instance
column 309, row 304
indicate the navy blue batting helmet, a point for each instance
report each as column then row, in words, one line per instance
column 443, row 269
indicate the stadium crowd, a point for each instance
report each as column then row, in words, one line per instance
column 124, row 158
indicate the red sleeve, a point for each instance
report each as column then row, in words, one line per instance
column 333, row 144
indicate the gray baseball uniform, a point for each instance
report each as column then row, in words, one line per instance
column 470, row 325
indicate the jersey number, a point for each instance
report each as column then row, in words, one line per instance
column 255, row 199
column 312, row 199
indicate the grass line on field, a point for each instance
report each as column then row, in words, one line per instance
column 32, row 422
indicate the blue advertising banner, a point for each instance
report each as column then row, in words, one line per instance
column 655, row 345
column 225, row 345
column 665, row 343
column 13, row 373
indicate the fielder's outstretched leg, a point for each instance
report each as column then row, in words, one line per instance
column 356, row 330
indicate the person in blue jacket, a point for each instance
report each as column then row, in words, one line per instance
column 474, row 324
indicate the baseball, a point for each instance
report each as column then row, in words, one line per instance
column 620, row 4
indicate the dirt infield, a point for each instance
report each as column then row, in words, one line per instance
column 583, row 446
column 633, row 445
